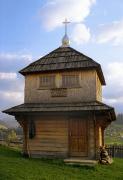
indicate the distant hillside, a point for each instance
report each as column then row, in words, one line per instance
column 119, row 119
column 114, row 132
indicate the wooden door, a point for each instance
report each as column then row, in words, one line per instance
column 78, row 137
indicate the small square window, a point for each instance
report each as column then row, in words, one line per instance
column 47, row 81
column 69, row 81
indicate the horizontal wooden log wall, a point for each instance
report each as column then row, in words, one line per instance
column 86, row 91
column 51, row 138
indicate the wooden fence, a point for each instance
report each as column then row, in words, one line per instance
column 11, row 143
column 115, row 150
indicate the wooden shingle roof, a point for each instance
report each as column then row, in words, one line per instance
column 62, row 59
column 60, row 107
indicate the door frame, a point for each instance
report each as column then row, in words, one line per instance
column 69, row 138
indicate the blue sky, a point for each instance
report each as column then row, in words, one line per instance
column 30, row 29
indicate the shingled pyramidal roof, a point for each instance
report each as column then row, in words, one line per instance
column 61, row 59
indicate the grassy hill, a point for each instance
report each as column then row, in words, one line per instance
column 14, row 167
column 114, row 133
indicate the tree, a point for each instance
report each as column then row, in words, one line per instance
column 11, row 136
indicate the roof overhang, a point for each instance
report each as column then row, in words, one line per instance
column 98, row 70
column 33, row 108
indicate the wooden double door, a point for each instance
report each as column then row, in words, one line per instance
column 78, row 138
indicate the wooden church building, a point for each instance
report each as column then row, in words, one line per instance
column 63, row 114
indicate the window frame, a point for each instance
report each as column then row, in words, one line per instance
column 51, row 85
column 68, row 83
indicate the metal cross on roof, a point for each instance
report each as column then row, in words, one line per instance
column 66, row 23
column 65, row 39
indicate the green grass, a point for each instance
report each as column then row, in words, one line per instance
column 14, row 167
column 113, row 140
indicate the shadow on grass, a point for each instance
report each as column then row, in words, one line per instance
column 54, row 161
column 85, row 167
column 60, row 162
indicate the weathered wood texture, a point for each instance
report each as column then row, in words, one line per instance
column 24, row 125
column 100, row 122
column 51, row 138
column 54, row 133
column 86, row 91
column 98, row 89
column 91, row 138
column 78, row 137
column 100, row 136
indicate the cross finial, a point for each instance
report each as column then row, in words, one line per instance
column 65, row 40
column 66, row 23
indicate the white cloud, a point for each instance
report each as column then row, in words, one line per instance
column 11, row 84
column 113, row 92
column 113, row 100
column 13, row 62
column 81, row 34
column 15, row 56
column 7, row 76
column 112, row 32
column 55, row 11
column 14, row 97
column 114, row 73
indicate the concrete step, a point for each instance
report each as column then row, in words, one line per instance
column 81, row 162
